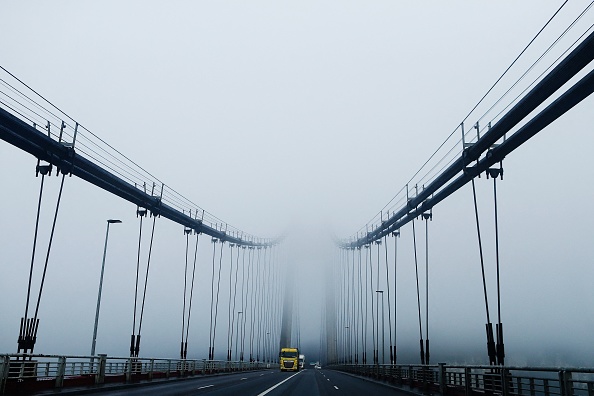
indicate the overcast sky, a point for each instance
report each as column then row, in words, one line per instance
column 303, row 118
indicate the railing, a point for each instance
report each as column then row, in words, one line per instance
column 482, row 380
column 30, row 373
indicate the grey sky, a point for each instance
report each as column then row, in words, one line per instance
column 304, row 117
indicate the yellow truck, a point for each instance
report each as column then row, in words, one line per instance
column 289, row 359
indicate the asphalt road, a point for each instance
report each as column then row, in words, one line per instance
column 309, row 382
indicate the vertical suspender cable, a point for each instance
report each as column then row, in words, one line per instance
column 247, row 299
column 141, row 213
column 339, row 303
column 229, row 325
column 34, row 245
column 342, row 300
column 181, row 353
column 389, row 305
column 372, row 306
column 260, row 304
column 49, row 247
column 500, row 347
column 191, row 295
column 214, row 329
column 488, row 327
column 366, row 307
column 26, row 340
column 251, row 291
column 418, row 294
column 214, row 246
column 353, row 330
column 396, row 235
column 148, row 263
column 234, row 304
column 265, row 302
column 347, row 302
column 426, row 217
column 254, row 305
column 243, row 299
column 377, row 303
column 361, row 322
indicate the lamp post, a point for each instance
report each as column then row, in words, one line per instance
column 110, row 221
column 381, row 293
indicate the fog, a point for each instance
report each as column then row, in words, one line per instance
column 300, row 119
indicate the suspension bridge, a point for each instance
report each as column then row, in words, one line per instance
column 240, row 287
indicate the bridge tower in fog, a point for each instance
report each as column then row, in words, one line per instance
column 287, row 318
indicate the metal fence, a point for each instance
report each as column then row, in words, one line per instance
column 482, row 380
column 30, row 373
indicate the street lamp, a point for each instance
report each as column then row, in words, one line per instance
column 110, row 221
column 381, row 292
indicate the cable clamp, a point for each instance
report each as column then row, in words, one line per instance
column 494, row 173
column 45, row 170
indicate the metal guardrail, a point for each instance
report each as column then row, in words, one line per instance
column 30, row 373
column 459, row 380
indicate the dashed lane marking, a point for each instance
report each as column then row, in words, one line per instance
column 204, row 387
column 335, row 387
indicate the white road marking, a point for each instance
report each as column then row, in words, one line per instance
column 277, row 385
column 335, row 387
column 243, row 379
column 204, row 387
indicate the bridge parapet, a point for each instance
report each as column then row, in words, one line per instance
column 30, row 373
column 457, row 380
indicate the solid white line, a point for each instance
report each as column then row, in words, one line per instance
column 204, row 387
column 277, row 385
column 335, row 387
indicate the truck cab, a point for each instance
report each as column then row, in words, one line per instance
column 289, row 359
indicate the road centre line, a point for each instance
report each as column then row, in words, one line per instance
column 204, row 387
column 277, row 385
column 335, row 387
